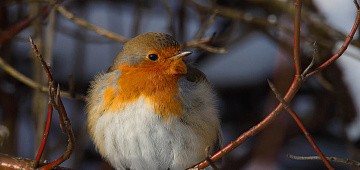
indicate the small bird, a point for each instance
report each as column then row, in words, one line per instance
column 151, row 110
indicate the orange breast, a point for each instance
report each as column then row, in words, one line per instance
column 158, row 88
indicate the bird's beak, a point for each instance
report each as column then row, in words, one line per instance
column 181, row 55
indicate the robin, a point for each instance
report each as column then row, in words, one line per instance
column 151, row 110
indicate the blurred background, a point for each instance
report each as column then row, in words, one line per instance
column 238, row 44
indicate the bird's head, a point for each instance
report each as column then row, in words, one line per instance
column 151, row 51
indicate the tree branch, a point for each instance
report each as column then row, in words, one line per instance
column 81, row 22
column 333, row 159
column 301, row 125
column 344, row 45
column 297, row 25
column 56, row 102
column 31, row 83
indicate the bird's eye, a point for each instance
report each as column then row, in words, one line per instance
column 153, row 57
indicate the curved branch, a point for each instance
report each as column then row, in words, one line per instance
column 31, row 83
column 81, row 22
column 344, row 45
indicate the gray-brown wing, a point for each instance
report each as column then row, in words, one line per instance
column 194, row 75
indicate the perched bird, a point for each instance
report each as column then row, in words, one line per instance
column 151, row 110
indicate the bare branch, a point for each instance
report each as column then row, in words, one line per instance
column 45, row 135
column 343, row 47
column 101, row 31
column 31, row 83
column 202, row 30
column 201, row 43
column 117, row 37
column 333, row 159
column 315, row 55
column 24, row 23
column 301, row 125
column 297, row 18
column 56, row 102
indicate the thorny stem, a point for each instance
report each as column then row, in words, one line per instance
column 42, row 61
column 56, row 102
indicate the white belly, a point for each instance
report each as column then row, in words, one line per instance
column 137, row 138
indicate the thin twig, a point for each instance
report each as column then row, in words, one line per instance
column 205, row 26
column 66, row 127
column 42, row 61
column 101, row 31
column 45, row 135
column 295, row 86
column 24, row 23
column 20, row 77
column 263, row 22
column 201, row 43
column 315, row 55
column 59, row 107
column 211, row 49
column 318, row 25
column 344, row 45
column 333, row 159
column 237, row 15
column 31, row 83
column 297, row 25
column 204, row 44
column 14, row 30
column 193, row 43
column 356, row 4
column 301, row 125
